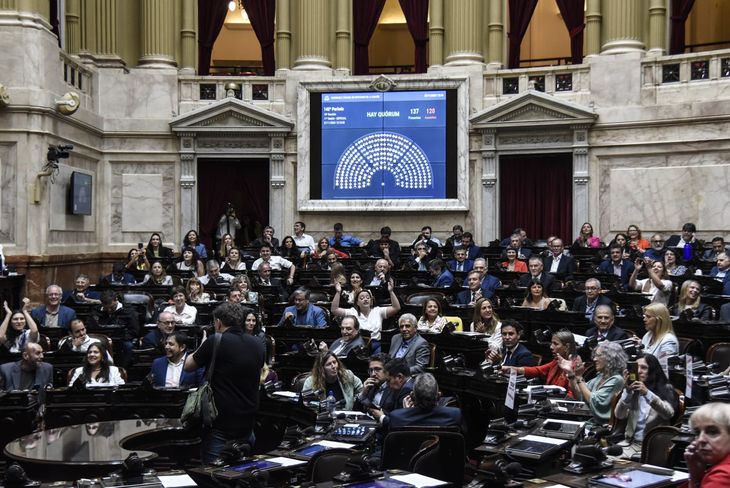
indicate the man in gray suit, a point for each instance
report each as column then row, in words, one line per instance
column 409, row 345
column 28, row 373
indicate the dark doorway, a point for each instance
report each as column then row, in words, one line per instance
column 244, row 183
column 536, row 193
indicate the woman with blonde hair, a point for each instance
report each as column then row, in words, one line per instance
column 330, row 375
column 196, row 291
column 689, row 304
column 486, row 321
column 660, row 340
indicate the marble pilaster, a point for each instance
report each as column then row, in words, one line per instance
column 188, row 197
column 436, row 33
column 622, row 26
column 313, row 29
column 581, row 178
column 463, row 32
column 495, row 53
column 490, row 203
column 107, row 51
column 157, row 33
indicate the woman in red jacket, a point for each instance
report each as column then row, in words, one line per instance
column 708, row 456
column 562, row 345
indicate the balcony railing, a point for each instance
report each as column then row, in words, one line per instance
column 548, row 79
column 687, row 68
column 197, row 91
column 75, row 74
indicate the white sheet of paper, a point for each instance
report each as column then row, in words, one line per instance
column 418, row 480
column 285, row 461
column 547, row 440
column 177, row 480
column 509, row 401
column 688, row 374
column 285, row 394
column 334, row 444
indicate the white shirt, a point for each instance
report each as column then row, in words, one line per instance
column 556, row 263
column 115, row 378
column 305, row 240
column 186, row 317
column 373, row 322
column 658, row 295
column 276, row 263
column 174, row 372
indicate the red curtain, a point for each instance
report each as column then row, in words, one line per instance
column 416, row 13
column 537, row 195
column 680, row 12
column 365, row 15
column 262, row 13
column 243, row 183
column 211, row 14
column 572, row 12
column 520, row 13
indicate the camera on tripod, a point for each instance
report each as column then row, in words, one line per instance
column 60, row 151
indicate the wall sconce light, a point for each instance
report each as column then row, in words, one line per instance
column 4, row 97
column 69, row 103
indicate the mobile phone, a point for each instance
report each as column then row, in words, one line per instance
column 140, row 245
column 633, row 368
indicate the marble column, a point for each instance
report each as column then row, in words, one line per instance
column 73, row 26
column 88, row 29
column 581, row 177
column 107, row 52
column 342, row 34
column 187, row 38
column 8, row 5
column 158, row 48
column 313, row 31
column 495, row 54
column 657, row 27
column 622, row 26
column 489, row 220
column 463, row 32
column 283, row 34
column 592, row 34
column 436, row 33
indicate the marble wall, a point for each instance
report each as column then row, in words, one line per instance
column 8, row 193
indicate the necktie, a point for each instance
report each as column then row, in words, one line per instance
column 473, row 296
column 460, row 267
column 507, row 355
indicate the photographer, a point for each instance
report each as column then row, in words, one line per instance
column 228, row 223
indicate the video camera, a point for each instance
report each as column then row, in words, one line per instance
column 60, row 151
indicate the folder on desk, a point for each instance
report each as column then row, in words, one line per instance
column 633, row 478
column 536, row 447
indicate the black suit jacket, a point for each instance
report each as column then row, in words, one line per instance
column 521, row 356
column 438, row 416
column 566, row 268
column 615, row 333
column 580, row 303
column 546, row 279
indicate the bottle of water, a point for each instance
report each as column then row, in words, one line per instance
column 329, row 402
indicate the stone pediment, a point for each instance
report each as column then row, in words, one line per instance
column 530, row 109
column 231, row 116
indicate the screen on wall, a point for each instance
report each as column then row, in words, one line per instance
column 392, row 145
column 79, row 195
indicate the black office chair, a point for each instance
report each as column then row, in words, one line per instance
column 325, row 465
column 658, row 445
column 401, row 447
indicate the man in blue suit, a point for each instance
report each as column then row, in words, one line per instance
column 617, row 265
column 168, row 372
column 588, row 302
column 29, row 373
column 422, row 407
column 53, row 314
column 460, row 263
column 722, row 269
column 512, row 352
column 473, row 291
column 303, row 312
column 489, row 283
column 442, row 277
column 559, row 264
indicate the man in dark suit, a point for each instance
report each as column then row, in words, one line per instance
column 489, row 283
column 604, row 330
column 53, row 314
column 722, row 268
column 422, row 407
column 112, row 312
column 559, row 264
column 472, row 250
column 28, row 373
column 118, row 276
column 515, row 242
column 409, row 345
column 155, row 339
column 512, row 352
column 272, row 286
column 385, row 248
column 460, row 263
column 442, row 277
column 536, row 267
column 374, row 386
column 350, row 338
column 618, row 266
column 168, row 372
column 474, row 291
column 587, row 303
column 399, row 385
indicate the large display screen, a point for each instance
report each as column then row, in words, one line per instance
column 391, row 145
